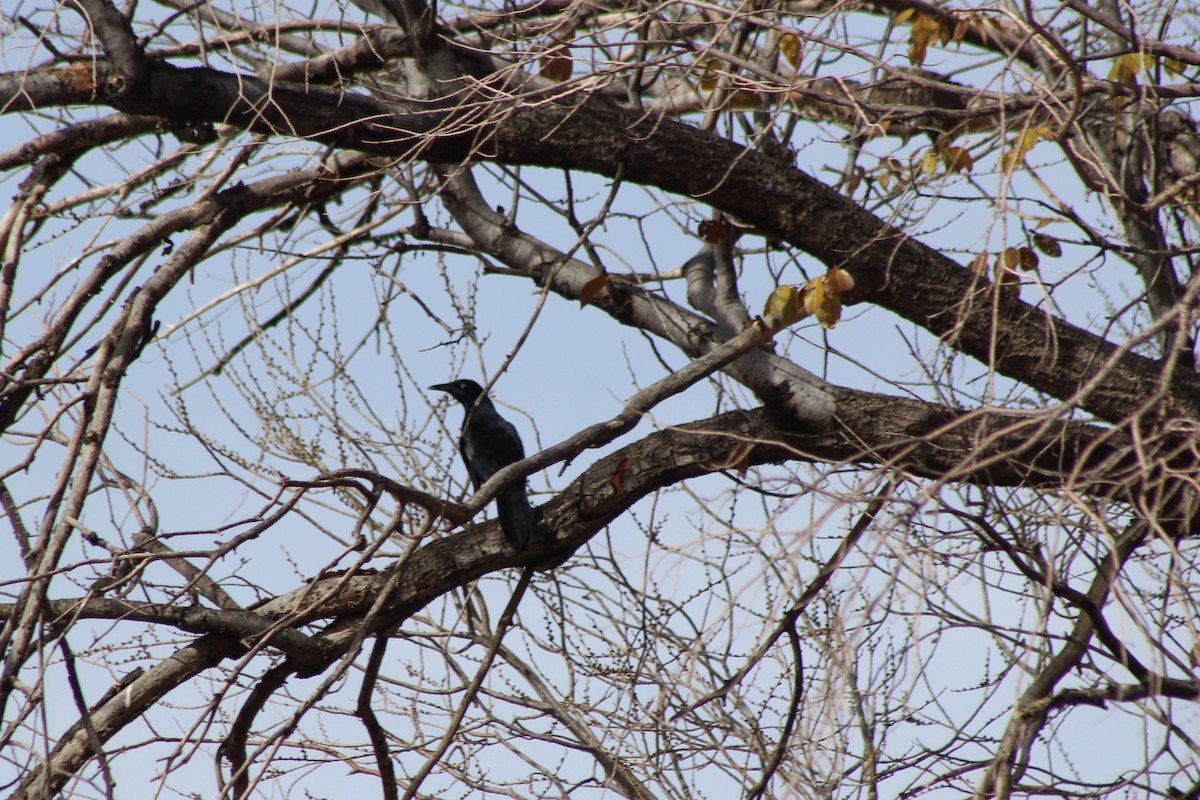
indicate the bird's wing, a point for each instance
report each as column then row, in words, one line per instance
column 489, row 443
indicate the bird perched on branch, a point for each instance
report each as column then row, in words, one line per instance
column 488, row 444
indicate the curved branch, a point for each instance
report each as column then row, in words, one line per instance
column 907, row 435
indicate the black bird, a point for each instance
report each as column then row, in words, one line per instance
column 489, row 443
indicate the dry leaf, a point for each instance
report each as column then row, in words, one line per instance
column 783, row 303
column 1126, row 68
column 1027, row 259
column 1024, row 142
column 592, row 288
column 713, row 231
column 823, row 296
column 617, row 480
column 745, row 100
column 1005, row 269
column 924, row 31
column 840, row 280
column 555, row 64
column 960, row 30
column 1047, row 244
column 789, row 45
column 740, row 459
column 956, row 159
column 929, row 163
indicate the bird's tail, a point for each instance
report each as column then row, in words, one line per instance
column 516, row 516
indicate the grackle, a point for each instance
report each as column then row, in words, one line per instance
column 489, row 443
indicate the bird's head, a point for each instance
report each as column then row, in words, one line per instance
column 463, row 390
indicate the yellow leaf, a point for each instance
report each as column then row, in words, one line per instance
column 929, row 163
column 709, row 74
column 1126, row 68
column 944, row 33
column 789, row 45
column 924, row 31
column 904, row 15
column 783, row 303
column 1034, row 135
column 956, row 159
column 1022, row 145
column 1010, row 159
column 823, row 296
column 1173, row 67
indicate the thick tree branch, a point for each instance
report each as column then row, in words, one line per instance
column 589, row 133
column 905, row 435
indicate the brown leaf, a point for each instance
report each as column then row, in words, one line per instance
column 854, row 181
column 1047, row 244
column 979, row 264
column 592, row 288
column 1027, row 259
column 713, row 231
column 740, row 460
column 745, row 100
column 960, row 29
column 839, row 280
column 555, row 64
column 1005, row 269
column 617, row 479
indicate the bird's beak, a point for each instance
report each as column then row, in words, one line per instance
column 441, row 387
